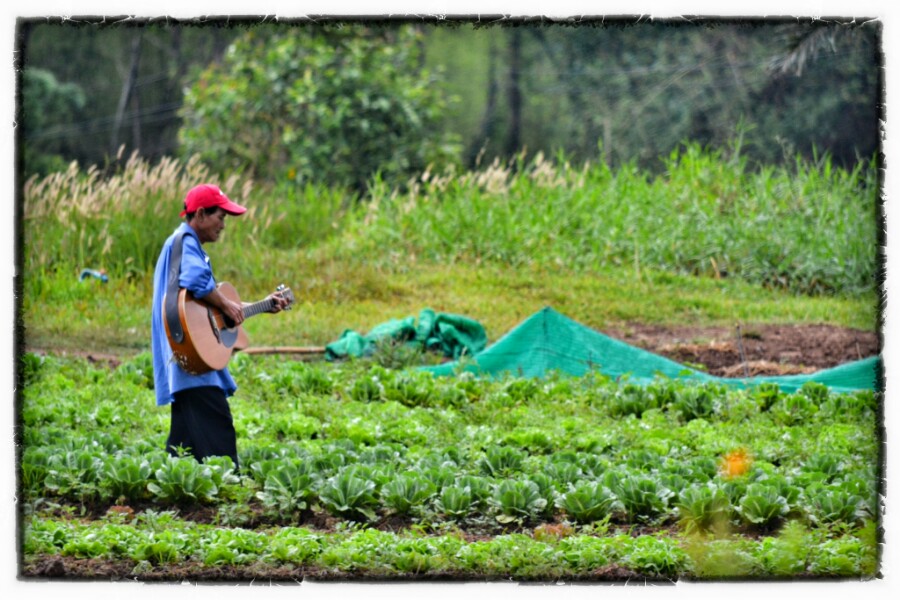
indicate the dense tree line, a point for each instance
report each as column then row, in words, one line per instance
column 613, row 91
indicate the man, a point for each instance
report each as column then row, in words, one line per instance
column 201, row 419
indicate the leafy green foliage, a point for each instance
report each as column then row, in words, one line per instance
column 407, row 493
column 762, row 505
column 501, row 461
column 563, row 472
column 289, row 485
column 793, row 409
column 126, row 477
column 588, row 501
column 766, row 394
column 349, row 495
column 834, row 505
column 632, row 399
column 455, row 501
column 642, row 497
column 183, row 480
column 411, row 388
column 231, row 547
column 813, row 485
column 517, row 499
column 325, row 104
column 479, row 487
column 658, row 557
column 788, row 553
column 30, row 367
column 696, row 402
column 34, row 468
column 703, row 508
column 296, row 546
column 47, row 103
column 75, row 473
column 822, row 467
column 473, row 217
column 850, row 555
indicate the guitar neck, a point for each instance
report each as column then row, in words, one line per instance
column 258, row 307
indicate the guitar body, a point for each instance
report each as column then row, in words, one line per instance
column 208, row 340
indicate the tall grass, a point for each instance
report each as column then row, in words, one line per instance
column 810, row 229
column 76, row 219
column 81, row 219
column 497, row 244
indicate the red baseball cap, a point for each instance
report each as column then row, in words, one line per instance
column 206, row 196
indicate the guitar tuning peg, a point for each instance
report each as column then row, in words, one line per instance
column 280, row 288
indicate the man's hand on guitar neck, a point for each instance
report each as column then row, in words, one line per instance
column 280, row 302
column 231, row 309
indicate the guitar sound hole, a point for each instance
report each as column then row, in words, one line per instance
column 229, row 322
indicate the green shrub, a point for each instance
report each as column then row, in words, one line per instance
column 304, row 131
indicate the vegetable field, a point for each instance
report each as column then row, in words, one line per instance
column 355, row 471
column 373, row 469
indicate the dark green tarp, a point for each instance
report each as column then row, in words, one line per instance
column 451, row 335
column 549, row 341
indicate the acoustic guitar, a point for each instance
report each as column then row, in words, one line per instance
column 209, row 337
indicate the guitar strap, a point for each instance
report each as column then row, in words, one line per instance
column 170, row 308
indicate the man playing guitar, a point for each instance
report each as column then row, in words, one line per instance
column 201, row 420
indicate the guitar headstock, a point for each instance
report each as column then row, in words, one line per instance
column 287, row 294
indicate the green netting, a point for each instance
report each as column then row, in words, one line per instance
column 451, row 335
column 549, row 341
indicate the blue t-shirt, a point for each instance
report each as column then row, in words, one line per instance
column 197, row 277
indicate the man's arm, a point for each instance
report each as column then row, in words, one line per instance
column 233, row 310
column 196, row 277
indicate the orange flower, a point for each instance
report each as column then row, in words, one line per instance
column 735, row 463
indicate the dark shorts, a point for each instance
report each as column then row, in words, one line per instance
column 202, row 424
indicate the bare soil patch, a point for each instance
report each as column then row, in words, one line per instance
column 754, row 350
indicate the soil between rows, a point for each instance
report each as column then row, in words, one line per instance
column 754, row 349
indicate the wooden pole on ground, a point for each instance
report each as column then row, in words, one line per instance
column 305, row 350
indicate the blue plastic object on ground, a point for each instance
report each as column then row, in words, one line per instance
column 101, row 275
